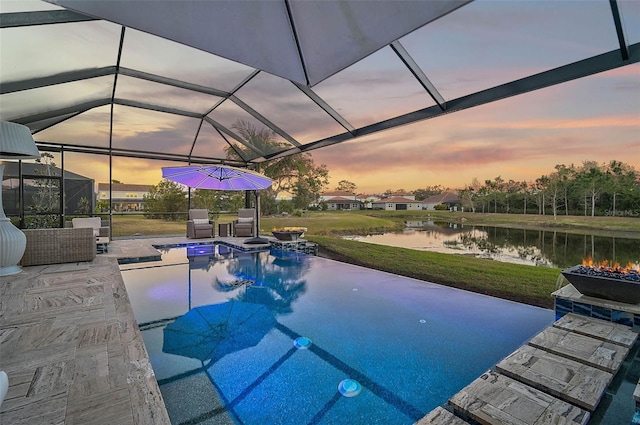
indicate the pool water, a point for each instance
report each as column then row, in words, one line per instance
column 284, row 338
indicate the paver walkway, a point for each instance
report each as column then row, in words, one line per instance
column 558, row 377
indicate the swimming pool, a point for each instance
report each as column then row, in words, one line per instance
column 299, row 326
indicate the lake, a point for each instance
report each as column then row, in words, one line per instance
column 551, row 248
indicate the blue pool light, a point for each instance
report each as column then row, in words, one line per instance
column 302, row 342
column 349, row 387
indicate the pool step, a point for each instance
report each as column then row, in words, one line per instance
column 558, row 377
column 614, row 333
column 440, row 416
column 574, row 382
column 494, row 398
column 594, row 352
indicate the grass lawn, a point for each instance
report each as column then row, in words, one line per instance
column 526, row 284
column 138, row 225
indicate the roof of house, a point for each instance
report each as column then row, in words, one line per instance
column 340, row 199
column 123, row 186
column 442, row 198
column 338, row 193
column 396, row 200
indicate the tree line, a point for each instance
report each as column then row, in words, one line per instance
column 589, row 189
column 611, row 188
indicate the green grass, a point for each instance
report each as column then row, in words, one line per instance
column 129, row 225
column 528, row 284
column 333, row 223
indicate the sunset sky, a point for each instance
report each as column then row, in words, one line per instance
column 521, row 138
column 476, row 47
column 595, row 118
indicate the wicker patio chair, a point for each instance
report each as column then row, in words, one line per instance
column 244, row 225
column 199, row 225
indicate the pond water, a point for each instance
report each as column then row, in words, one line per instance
column 550, row 248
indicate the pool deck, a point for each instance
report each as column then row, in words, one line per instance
column 70, row 344
column 74, row 355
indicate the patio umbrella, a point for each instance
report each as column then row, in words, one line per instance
column 217, row 177
column 212, row 331
column 221, row 177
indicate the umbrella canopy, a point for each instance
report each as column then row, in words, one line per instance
column 217, row 177
column 212, row 331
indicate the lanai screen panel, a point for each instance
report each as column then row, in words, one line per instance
column 141, row 52
column 142, row 130
column 377, row 88
column 55, row 76
column 231, row 116
column 151, row 94
column 209, row 144
column 630, row 11
column 303, row 41
column 282, row 102
column 41, row 51
column 42, row 102
column 534, row 38
column 91, row 128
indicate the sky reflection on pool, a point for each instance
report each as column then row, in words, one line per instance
column 408, row 343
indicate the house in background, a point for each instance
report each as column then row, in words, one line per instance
column 340, row 200
column 397, row 203
column 450, row 199
column 124, row 197
column 339, row 203
column 337, row 193
column 367, row 200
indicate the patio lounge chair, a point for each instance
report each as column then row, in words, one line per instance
column 199, row 225
column 243, row 226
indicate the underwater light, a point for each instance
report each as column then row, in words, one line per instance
column 349, row 387
column 302, row 342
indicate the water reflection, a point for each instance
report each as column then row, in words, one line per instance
column 533, row 247
column 277, row 276
column 256, row 289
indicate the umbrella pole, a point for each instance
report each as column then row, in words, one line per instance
column 257, row 239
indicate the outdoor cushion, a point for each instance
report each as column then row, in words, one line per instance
column 92, row 222
column 245, row 219
column 200, row 221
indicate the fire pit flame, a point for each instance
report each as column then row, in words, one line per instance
column 611, row 267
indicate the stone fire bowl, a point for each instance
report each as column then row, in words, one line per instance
column 620, row 290
column 287, row 235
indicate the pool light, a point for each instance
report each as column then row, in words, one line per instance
column 349, row 387
column 302, row 342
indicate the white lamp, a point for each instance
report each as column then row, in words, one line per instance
column 16, row 142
